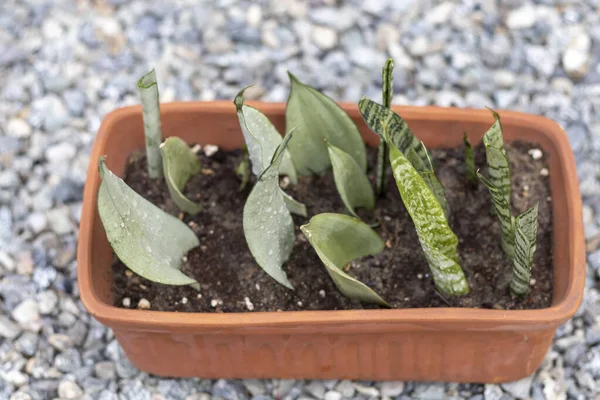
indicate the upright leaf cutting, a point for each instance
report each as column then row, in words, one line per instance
column 338, row 239
column 180, row 163
column 470, row 168
column 426, row 172
column 438, row 241
column 496, row 158
column 352, row 183
column 243, row 169
column 146, row 239
column 318, row 118
column 387, row 79
column 525, row 245
column 267, row 223
column 148, row 89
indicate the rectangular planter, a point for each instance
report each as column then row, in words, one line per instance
column 433, row 344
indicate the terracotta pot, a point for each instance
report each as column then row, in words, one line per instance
column 433, row 344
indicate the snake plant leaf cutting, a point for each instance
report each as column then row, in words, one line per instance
column 503, row 213
column 267, row 223
column 352, row 183
column 180, row 163
column 318, row 118
column 338, row 239
column 149, row 241
column 470, row 169
column 243, row 169
column 148, row 88
column 262, row 138
column 425, row 169
column 497, row 161
column 387, row 79
column 525, row 244
column 437, row 240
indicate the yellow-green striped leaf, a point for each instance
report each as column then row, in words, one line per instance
column 469, row 160
column 387, row 79
column 498, row 166
column 525, row 245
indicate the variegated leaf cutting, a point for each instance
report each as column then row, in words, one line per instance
column 426, row 172
column 351, row 182
column 525, row 245
column 470, row 169
column 497, row 161
column 384, row 121
column 338, row 239
column 318, row 118
column 267, row 222
column 438, row 241
column 148, row 89
column 146, row 239
column 387, row 79
column 180, row 163
column 504, row 215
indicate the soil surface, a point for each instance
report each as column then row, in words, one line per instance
column 231, row 281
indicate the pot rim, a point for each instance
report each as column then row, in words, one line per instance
column 447, row 316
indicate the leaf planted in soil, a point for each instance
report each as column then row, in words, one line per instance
column 387, row 79
column 294, row 205
column 438, row 241
column 338, row 239
column 268, row 225
column 262, row 139
column 149, row 241
column 504, row 215
column 319, row 118
column 243, row 170
column 426, row 172
column 497, row 161
column 350, row 180
column 470, row 168
column 525, row 245
column 180, row 163
column 148, row 89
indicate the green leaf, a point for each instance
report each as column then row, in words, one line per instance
column 243, row 170
column 385, row 122
column 387, row 79
column 149, row 241
column 262, row 139
column 503, row 213
column 351, row 182
column 318, row 118
column 438, row 241
column 148, row 89
column 426, row 172
column 268, row 225
column 294, row 205
column 497, row 161
column 338, row 239
column 180, row 163
column 469, row 160
column 525, row 245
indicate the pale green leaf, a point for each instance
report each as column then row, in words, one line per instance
column 525, row 245
column 438, row 241
column 180, row 163
column 318, row 118
column 243, row 169
column 384, row 121
column 387, row 79
column 503, row 213
column 425, row 169
column 294, row 205
column 262, row 139
column 149, row 241
column 148, row 89
column 338, row 239
column 469, row 160
column 351, row 182
column 497, row 161
column 268, row 225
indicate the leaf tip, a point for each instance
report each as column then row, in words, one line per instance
column 239, row 98
column 147, row 80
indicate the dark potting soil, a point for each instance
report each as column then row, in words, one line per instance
column 231, row 281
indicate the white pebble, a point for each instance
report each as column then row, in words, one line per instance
column 299, row 304
column 126, row 302
column 544, row 172
column 69, row 390
column 214, row 302
column 532, row 282
column 210, row 150
column 199, row 296
column 144, row 304
column 536, row 154
column 322, row 293
column 184, row 300
column 249, row 304
column 420, row 276
column 257, row 286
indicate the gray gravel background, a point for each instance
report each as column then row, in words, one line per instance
column 65, row 64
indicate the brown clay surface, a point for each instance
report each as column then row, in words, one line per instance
column 228, row 275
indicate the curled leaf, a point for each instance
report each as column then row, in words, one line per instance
column 148, row 89
column 146, row 239
column 503, row 213
column 469, row 160
column 525, row 245
column 438, row 241
column 262, row 139
column 351, row 182
column 338, row 239
column 319, row 118
column 387, row 79
column 180, row 163
column 268, row 225
column 294, row 205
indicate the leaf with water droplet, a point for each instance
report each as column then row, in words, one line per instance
column 180, row 163
column 338, row 239
column 169, row 237
column 270, row 239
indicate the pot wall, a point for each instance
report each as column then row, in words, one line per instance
column 447, row 344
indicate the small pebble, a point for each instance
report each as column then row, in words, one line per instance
column 544, row 172
column 126, row 302
column 184, row 300
column 322, row 293
column 210, row 150
column 299, row 304
column 249, row 304
column 144, row 304
column 536, row 154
